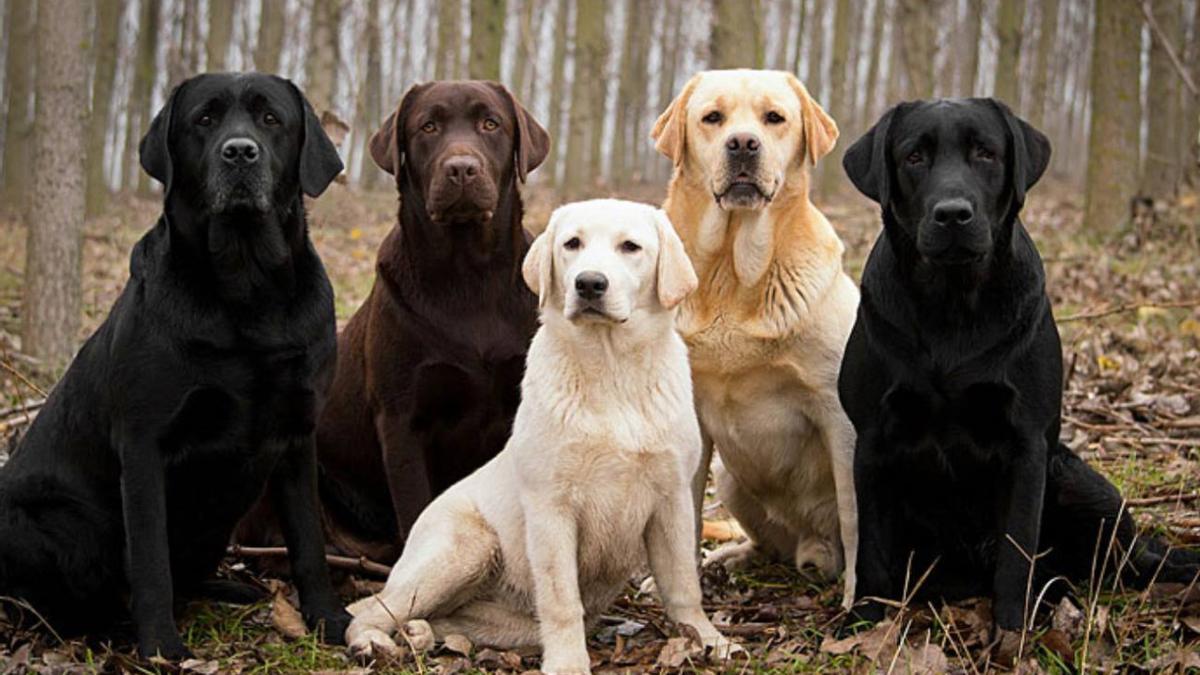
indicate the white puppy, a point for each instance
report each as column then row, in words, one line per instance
column 538, row 542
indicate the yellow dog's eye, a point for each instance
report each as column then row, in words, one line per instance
column 630, row 247
column 775, row 118
column 572, row 244
column 713, row 117
column 490, row 124
column 429, row 127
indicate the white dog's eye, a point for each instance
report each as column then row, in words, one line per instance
column 572, row 244
column 630, row 247
column 713, row 117
column 774, row 118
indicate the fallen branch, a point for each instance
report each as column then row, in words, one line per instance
column 1133, row 306
column 28, row 383
column 1163, row 499
column 28, row 406
column 361, row 564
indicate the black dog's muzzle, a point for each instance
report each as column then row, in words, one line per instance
column 239, row 176
column 952, row 234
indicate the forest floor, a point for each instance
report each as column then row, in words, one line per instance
column 1128, row 307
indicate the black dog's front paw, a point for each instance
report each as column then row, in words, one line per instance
column 861, row 616
column 331, row 625
column 168, row 648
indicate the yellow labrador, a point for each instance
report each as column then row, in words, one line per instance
column 768, row 325
column 595, row 479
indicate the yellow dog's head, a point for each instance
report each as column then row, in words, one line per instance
column 742, row 133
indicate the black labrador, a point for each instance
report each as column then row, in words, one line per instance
column 200, row 390
column 953, row 378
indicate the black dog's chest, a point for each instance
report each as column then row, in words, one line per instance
column 975, row 420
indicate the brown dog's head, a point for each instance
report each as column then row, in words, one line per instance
column 740, row 132
column 460, row 144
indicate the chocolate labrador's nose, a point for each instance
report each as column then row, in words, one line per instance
column 462, row 170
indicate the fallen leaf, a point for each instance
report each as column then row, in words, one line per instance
column 199, row 666
column 286, row 618
column 1067, row 619
column 1192, row 622
column 459, row 644
column 928, row 659
column 677, row 652
column 870, row 643
column 1059, row 642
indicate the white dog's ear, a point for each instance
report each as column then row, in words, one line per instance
column 670, row 130
column 820, row 131
column 676, row 276
column 538, row 267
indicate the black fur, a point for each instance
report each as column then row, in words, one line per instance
column 198, row 392
column 952, row 377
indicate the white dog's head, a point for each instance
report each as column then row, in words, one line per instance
column 605, row 259
column 741, row 132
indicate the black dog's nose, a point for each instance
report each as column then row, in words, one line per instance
column 953, row 212
column 462, row 170
column 591, row 285
column 240, row 151
column 743, row 144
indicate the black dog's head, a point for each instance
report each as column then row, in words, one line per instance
column 238, row 143
column 951, row 173
column 460, row 143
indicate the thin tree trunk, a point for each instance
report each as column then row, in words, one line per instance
column 323, row 54
column 557, row 86
column 1041, row 74
column 107, row 39
column 1112, row 171
column 585, row 117
column 448, row 36
column 1160, row 172
column 832, row 165
column 917, row 49
column 51, row 309
column 1009, row 19
column 1190, row 107
column 630, row 88
column 143, row 83
column 781, row 61
column 876, row 46
column 370, row 105
column 737, row 34
column 20, row 67
column 801, row 13
column 220, row 29
column 487, row 33
column 669, row 58
column 526, row 35
column 270, row 36
column 970, row 48
column 597, row 45
column 816, row 47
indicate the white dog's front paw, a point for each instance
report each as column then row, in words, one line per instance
column 566, row 662
column 722, row 647
column 733, row 556
column 371, row 643
column 419, row 635
column 819, row 554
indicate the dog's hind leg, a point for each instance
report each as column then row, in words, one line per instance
column 490, row 623
column 450, row 553
column 767, row 539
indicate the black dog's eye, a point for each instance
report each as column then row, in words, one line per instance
column 490, row 124
column 983, row 154
column 205, row 121
column 774, row 118
column 572, row 244
column 429, row 127
column 630, row 247
column 915, row 158
column 270, row 120
column 713, row 117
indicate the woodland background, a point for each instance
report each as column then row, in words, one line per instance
column 1112, row 82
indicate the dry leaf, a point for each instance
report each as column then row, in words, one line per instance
column 286, row 618
column 1067, row 619
column 677, row 652
column 870, row 643
column 459, row 644
column 199, row 666
column 928, row 659
column 1192, row 622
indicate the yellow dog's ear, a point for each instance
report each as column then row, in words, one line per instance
column 670, row 130
column 676, row 277
column 820, row 131
column 538, row 266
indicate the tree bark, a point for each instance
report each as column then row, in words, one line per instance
column 586, row 114
column 801, row 13
column 51, row 309
column 558, row 92
column 669, row 58
column 323, row 55
column 869, row 111
column 1009, row 20
column 448, row 40
column 816, row 46
column 1112, row 171
column 781, row 61
column 106, row 41
column 737, row 34
column 631, row 90
column 20, row 68
column 370, row 104
column 972, row 36
column 831, row 170
column 1160, row 172
column 526, row 36
column 220, row 29
column 487, row 33
column 143, row 85
column 269, row 49
column 1041, row 74
column 917, row 49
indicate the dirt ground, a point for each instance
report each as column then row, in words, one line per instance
column 1128, row 307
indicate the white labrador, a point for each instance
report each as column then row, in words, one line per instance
column 535, row 544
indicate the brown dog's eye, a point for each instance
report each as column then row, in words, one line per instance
column 270, row 120
column 205, row 121
column 630, row 247
column 490, row 124
column 915, row 158
column 984, row 154
column 572, row 244
column 429, row 127
column 774, row 118
column 713, row 117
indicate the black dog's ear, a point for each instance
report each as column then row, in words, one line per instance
column 1030, row 151
column 387, row 145
column 866, row 162
column 154, row 151
column 532, row 143
column 319, row 159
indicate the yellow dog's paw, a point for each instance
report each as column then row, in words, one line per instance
column 419, row 635
column 372, row 643
column 723, row 648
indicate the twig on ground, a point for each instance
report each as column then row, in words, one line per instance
column 1133, row 306
column 341, row 562
column 25, row 380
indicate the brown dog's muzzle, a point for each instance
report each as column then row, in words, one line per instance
column 462, row 189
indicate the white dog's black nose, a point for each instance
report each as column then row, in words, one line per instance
column 591, row 285
column 240, row 151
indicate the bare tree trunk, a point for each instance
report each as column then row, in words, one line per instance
column 801, row 13
column 20, row 67
column 630, row 89
column 143, row 83
column 51, row 309
column 220, row 29
column 876, row 46
column 1008, row 31
column 781, row 61
column 832, row 165
column 1189, row 109
column 1041, row 73
column 816, row 46
column 370, row 105
column 1160, row 172
column 737, row 34
column 557, row 86
column 1112, row 171
column 972, row 34
column 323, row 55
column 597, row 46
column 526, row 36
column 586, row 112
column 448, row 36
column 107, row 39
column 270, row 36
column 917, row 49
column 487, row 33
column 669, row 58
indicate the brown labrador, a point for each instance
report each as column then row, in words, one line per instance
column 430, row 366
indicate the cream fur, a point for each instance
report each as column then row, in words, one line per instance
column 595, row 480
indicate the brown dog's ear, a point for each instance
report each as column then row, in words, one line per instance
column 387, row 145
column 532, row 143
column 670, row 130
column 538, row 266
column 676, row 276
column 820, row 131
